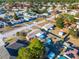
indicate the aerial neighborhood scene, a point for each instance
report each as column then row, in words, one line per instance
column 39, row 29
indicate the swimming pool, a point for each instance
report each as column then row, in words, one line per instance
column 62, row 57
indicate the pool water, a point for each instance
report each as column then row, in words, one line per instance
column 62, row 57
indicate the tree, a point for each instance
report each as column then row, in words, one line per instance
column 77, row 15
column 18, row 33
column 24, row 53
column 44, row 1
column 71, row 19
column 35, row 50
column 74, row 32
column 1, row 2
column 15, row 16
column 75, row 6
column 22, row 35
column 59, row 22
column 10, row 2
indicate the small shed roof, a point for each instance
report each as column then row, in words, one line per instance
column 47, row 26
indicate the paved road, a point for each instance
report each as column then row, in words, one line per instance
column 14, row 31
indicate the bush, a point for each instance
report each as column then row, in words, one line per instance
column 59, row 23
column 34, row 51
column 15, row 16
column 74, row 33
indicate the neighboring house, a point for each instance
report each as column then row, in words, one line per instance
column 19, row 14
column 61, row 33
column 68, row 52
column 71, row 53
column 8, row 17
column 50, row 9
column 41, row 35
column 63, row 11
column 44, row 14
column 53, row 47
column 14, row 9
column 28, row 17
column 14, row 22
column 2, row 11
column 34, row 33
column 73, row 12
column 21, row 5
column 48, row 26
column 49, row 53
column 51, row 18
column 13, row 48
column 2, row 15
column 2, row 24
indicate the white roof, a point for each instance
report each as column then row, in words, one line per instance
column 49, row 9
column 60, row 33
column 38, row 34
column 34, row 32
column 77, row 26
column 25, row 14
column 50, row 18
column 47, row 26
column 2, row 15
column 66, row 44
column 26, row 19
column 15, row 9
column 45, row 14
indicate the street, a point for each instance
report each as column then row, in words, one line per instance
column 14, row 31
